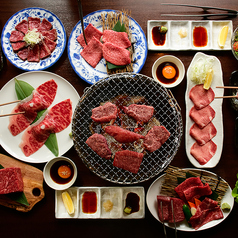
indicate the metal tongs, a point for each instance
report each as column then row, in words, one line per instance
column 81, row 19
column 230, row 12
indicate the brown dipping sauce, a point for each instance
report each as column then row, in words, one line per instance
column 157, row 37
column 133, row 201
column 200, row 37
column 89, row 202
column 160, row 76
column 54, row 172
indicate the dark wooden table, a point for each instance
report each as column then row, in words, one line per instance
column 41, row 221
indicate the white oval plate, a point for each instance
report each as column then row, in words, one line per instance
column 216, row 104
column 83, row 69
column 7, row 94
column 10, row 26
column 154, row 190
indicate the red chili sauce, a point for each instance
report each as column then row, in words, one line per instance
column 157, row 37
column 89, row 202
column 160, row 76
column 200, row 37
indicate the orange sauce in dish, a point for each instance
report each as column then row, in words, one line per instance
column 200, row 37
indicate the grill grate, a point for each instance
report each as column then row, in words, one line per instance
column 167, row 111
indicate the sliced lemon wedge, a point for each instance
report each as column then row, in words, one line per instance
column 208, row 80
column 223, row 36
column 68, row 203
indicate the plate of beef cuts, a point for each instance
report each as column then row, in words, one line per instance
column 22, row 135
column 127, row 128
column 180, row 188
column 33, row 39
column 119, row 48
column 204, row 120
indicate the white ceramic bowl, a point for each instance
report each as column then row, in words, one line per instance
column 171, row 59
column 50, row 182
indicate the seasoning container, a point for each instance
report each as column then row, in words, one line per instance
column 60, row 173
column 168, row 70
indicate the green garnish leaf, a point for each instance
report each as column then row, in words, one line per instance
column 112, row 66
column 52, row 144
column 17, row 197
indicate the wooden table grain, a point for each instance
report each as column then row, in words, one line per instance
column 41, row 221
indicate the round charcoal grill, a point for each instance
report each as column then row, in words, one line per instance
column 167, row 111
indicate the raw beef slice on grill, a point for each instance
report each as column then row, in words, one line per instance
column 128, row 160
column 203, row 116
column 11, row 180
column 90, row 32
column 40, row 99
column 200, row 96
column 115, row 54
column 104, row 113
column 202, row 136
column 122, row 135
column 207, row 211
column 167, row 209
column 92, row 52
column 141, row 113
column 56, row 120
column 188, row 183
column 203, row 153
column 155, row 138
column 117, row 38
column 98, row 144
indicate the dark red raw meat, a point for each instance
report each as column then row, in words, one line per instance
column 18, row 45
column 11, row 180
column 45, row 25
column 104, row 113
column 141, row 113
column 203, row 116
column 90, row 32
column 16, row 36
column 155, row 138
column 33, row 22
column 22, row 26
column 115, row 54
column 203, row 153
column 44, row 51
column 50, row 44
column 92, row 52
column 122, row 135
column 128, row 160
column 33, row 53
column 167, row 209
column 23, row 54
column 200, row 96
column 51, row 34
column 117, row 38
column 98, row 144
column 57, row 119
column 202, row 136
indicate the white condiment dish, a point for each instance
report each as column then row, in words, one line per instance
column 53, row 184
column 170, row 59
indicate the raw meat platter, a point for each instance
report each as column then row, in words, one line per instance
column 22, row 15
column 83, row 69
column 115, row 194
column 155, row 188
column 175, row 42
column 216, row 104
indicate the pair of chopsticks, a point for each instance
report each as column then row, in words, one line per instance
column 81, row 19
column 175, row 228
column 230, row 12
column 10, row 114
column 228, row 87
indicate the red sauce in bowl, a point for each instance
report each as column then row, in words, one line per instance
column 200, row 37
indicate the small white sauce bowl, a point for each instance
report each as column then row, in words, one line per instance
column 171, row 59
column 50, row 182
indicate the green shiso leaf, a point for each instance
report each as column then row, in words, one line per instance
column 113, row 66
column 17, row 197
column 23, row 90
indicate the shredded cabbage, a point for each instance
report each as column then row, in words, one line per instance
column 200, row 69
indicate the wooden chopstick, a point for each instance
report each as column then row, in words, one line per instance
column 232, row 87
column 234, row 96
column 11, row 114
column 3, row 104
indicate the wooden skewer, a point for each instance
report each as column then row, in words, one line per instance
column 11, row 114
column 9, row 103
column 234, row 96
column 232, row 87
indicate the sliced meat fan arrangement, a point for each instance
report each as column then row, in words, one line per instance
column 166, row 111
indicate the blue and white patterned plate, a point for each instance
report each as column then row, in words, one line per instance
column 83, row 69
column 10, row 26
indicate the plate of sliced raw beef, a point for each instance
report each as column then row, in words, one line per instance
column 204, row 121
column 23, row 138
column 33, row 39
column 94, row 68
column 208, row 215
